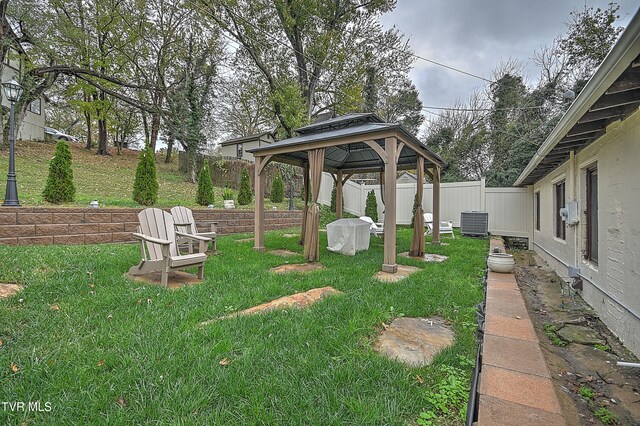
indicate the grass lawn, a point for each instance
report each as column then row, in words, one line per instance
column 108, row 179
column 103, row 349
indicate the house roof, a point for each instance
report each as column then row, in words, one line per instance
column 258, row 136
column 410, row 175
column 345, row 141
column 612, row 93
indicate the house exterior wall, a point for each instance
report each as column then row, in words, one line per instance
column 612, row 286
column 231, row 150
column 32, row 127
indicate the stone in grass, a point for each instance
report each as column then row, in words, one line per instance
column 298, row 300
column 580, row 334
column 8, row 290
column 297, row 267
column 244, row 240
column 284, row 253
column 414, row 341
column 402, row 273
column 428, row 257
column 176, row 279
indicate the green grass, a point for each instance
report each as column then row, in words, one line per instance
column 113, row 339
column 108, row 179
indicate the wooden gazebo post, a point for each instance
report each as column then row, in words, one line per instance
column 389, row 264
column 339, row 194
column 436, row 205
column 258, row 229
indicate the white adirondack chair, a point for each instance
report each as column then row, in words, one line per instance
column 375, row 229
column 446, row 226
column 186, row 224
column 158, row 248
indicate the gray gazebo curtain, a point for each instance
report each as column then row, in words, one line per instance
column 311, row 240
column 305, row 193
column 417, row 243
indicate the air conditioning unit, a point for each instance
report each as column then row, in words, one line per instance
column 474, row 223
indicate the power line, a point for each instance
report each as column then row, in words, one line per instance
column 480, row 109
column 452, row 68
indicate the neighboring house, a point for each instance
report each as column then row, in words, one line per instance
column 589, row 164
column 32, row 127
column 407, row 177
column 237, row 148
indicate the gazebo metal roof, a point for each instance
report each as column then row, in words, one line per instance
column 343, row 137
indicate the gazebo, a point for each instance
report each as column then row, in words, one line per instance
column 342, row 146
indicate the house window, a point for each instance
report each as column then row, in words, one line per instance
column 536, row 201
column 239, row 151
column 34, row 106
column 561, row 230
column 592, row 215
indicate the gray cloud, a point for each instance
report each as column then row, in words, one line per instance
column 476, row 35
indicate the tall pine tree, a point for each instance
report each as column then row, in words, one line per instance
column 59, row 188
column 244, row 195
column 145, row 186
column 205, row 196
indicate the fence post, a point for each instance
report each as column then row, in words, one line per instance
column 483, row 195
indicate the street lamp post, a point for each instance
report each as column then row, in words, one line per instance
column 12, row 91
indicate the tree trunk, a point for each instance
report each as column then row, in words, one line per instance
column 87, row 117
column 167, row 159
column 191, row 156
column 155, row 121
column 102, row 137
column 145, row 125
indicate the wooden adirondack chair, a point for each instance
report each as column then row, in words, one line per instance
column 446, row 226
column 158, row 248
column 186, row 224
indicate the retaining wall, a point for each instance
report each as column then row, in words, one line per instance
column 24, row 226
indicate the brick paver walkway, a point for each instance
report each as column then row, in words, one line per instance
column 514, row 385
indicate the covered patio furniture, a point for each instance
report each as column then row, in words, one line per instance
column 376, row 229
column 342, row 146
column 446, row 226
column 348, row 236
column 158, row 248
column 186, row 224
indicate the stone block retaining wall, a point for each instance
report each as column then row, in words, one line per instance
column 35, row 225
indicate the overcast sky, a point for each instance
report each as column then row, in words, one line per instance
column 475, row 35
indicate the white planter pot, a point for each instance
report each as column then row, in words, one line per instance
column 501, row 262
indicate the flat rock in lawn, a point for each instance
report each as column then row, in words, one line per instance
column 402, row 273
column 176, row 279
column 414, row 341
column 8, row 290
column 244, row 240
column 428, row 257
column 290, row 235
column 580, row 334
column 285, row 253
column 297, row 267
column 298, row 300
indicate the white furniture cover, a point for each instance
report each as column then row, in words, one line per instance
column 348, row 236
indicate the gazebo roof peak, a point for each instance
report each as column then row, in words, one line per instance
column 340, row 122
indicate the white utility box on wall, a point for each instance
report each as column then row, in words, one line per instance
column 569, row 213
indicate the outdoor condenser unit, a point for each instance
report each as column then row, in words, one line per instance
column 474, row 223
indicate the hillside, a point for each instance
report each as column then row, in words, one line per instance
column 108, row 179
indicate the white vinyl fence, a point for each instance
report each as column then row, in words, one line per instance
column 510, row 209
